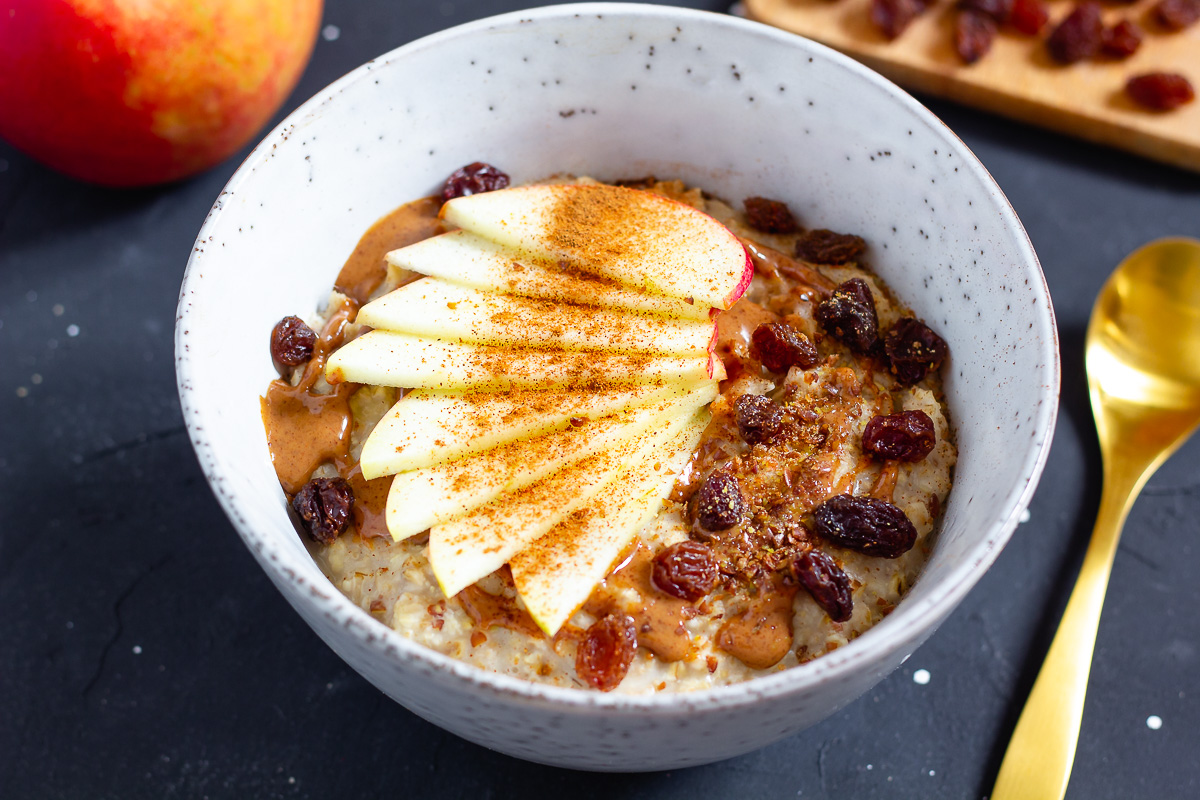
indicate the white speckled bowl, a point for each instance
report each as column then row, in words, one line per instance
column 613, row 91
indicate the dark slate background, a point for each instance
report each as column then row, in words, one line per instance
column 143, row 653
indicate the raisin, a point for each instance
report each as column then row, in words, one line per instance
column 913, row 350
column 1078, row 36
column 848, row 314
column 907, row 436
column 1176, row 15
column 719, row 503
column 292, row 342
column 823, row 578
column 826, row 247
column 1121, row 40
column 866, row 525
column 759, row 418
column 1029, row 16
column 607, row 650
column 893, row 16
column 323, row 505
column 1161, row 91
column 686, row 570
column 770, row 216
column 475, row 178
column 999, row 10
column 779, row 346
column 974, row 33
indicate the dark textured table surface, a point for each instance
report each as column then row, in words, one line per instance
column 144, row 654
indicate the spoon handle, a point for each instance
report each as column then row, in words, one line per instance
column 1037, row 764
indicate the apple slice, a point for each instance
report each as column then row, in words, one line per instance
column 463, row 258
column 557, row 572
column 430, row 496
column 636, row 238
column 436, row 309
column 466, row 549
column 385, row 358
column 425, row 428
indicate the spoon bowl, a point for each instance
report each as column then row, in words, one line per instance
column 1143, row 367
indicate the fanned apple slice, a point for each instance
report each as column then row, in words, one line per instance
column 436, row 309
column 385, row 358
column 430, row 496
column 636, row 238
column 425, row 427
column 463, row 258
column 557, row 572
column 466, row 549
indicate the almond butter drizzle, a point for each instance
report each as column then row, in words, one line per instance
column 487, row 610
column 761, row 635
column 366, row 268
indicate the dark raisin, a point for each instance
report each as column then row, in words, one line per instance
column 1029, row 16
column 473, row 179
column 866, row 525
column 324, row 505
column 848, row 314
column 759, row 418
column 770, row 216
column 1078, row 36
column 1176, row 15
column 686, row 570
column 779, row 346
column 1121, row 40
column 719, row 503
column 893, row 16
column 907, row 436
column 974, row 33
column 292, row 342
column 1161, row 91
column 826, row 247
column 823, row 578
column 607, row 650
column 999, row 10
column 913, row 350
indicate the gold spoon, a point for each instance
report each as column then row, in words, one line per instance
column 1143, row 368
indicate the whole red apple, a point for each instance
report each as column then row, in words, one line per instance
column 136, row 92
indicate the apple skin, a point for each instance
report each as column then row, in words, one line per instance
column 139, row 92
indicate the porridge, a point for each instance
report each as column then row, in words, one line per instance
column 792, row 459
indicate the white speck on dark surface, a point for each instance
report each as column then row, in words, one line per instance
column 921, row 677
column 137, row 649
column 57, row 309
column 22, row 391
column 330, row 33
column 1153, row 722
column 72, row 330
column 1025, row 516
column 931, row 773
column 35, row 378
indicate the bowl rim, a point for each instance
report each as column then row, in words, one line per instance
column 908, row 625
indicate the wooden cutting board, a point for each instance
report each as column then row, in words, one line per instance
column 1018, row 78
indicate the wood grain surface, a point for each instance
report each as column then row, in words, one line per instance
column 1018, row 78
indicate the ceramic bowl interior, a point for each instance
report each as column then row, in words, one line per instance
column 616, row 91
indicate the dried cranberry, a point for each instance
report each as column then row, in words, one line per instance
column 686, row 570
column 323, row 505
column 292, row 342
column 913, row 350
column 759, row 418
column 1161, row 91
column 829, row 586
column 999, row 10
column 974, row 33
column 826, row 247
column 848, row 314
column 1176, row 15
column 1121, row 40
column 1078, row 36
column 607, row 650
column 907, row 436
column 770, row 216
column 719, row 503
column 474, row 178
column 1029, row 16
column 893, row 16
column 866, row 525
column 779, row 346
